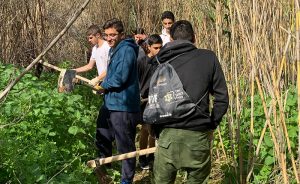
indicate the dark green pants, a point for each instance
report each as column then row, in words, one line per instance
column 182, row 149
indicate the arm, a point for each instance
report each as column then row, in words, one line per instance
column 86, row 67
column 123, row 67
column 101, row 76
column 220, row 93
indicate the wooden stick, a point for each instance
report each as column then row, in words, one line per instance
column 36, row 60
column 276, row 146
column 298, row 70
column 236, row 88
column 59, row 69
column 102, row 161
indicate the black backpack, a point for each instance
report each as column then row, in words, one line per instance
column 167, row 100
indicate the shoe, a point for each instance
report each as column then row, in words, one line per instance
column 125, row 182
column 144, row 166
column 143, row 162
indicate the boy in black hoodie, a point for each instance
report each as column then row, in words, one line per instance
column 185, row 144
column 145, row 70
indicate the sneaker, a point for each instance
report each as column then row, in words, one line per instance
column 125, row 182
column 145, row 167
column 143, row 162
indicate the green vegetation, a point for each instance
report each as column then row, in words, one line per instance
column 265, row 164
column 46, row 136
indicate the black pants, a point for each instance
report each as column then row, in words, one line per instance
column 104, row 133
column 122, row 128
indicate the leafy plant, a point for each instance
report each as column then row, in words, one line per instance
column 46, row 136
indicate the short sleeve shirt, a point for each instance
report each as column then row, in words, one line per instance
column 100, row 55
column 165, row 37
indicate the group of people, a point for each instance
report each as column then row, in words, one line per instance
column 125, row 66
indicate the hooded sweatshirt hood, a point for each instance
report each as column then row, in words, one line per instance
column 174, row 48
column 126, row 42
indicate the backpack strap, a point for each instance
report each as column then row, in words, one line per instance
column 202, row 98
column 168, row 61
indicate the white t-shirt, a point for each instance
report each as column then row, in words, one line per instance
column 100, row 54
column 165, row 37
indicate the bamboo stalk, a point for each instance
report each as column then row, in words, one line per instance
column 222, row 145
column 261, row 137
column 271, row 129
column 298, row 70
column 236, row 89
column 250, row 157
column 283, row 123
column 248, row 48
column 102, row 161
column 53, row 42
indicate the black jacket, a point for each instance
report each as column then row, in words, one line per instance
column 200, row 72
column 145, row 70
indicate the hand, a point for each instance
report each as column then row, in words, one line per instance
column 94, row 81
column 76, row 81
column 99, row 90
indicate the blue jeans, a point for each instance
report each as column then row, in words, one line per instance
column 122, row 128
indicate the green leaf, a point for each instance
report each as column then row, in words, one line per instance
column 52, row 134
column 45, row 111
column 269, row 160
column 73, row 130
column 291, row 101
column 42, row 177
column 70, row 109
column 293, row 131
column 81, row 145
column 36, row 111
column 45, row 130
column 268, row 141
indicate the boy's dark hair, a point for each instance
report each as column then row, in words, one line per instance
column 93, row 30
column 114, row 23
column 138, row 30
column 182, row 30
column 167, row 15
column 154, row 39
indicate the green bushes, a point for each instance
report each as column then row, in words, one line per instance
column 46, row 136
column 267, row 166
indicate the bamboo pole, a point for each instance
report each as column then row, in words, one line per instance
column 248, row 48
column 102, row 161
column 250, row 156
column 53, row 42
column 298, row 69
column 283, row 124
column 234, row 75
column 222, row 144
column 271, row 129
